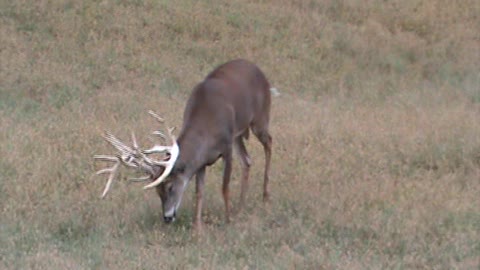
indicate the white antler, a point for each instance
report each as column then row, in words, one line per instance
column 161, row 120
column 134, row 157
column 173, row 150
column 139, row 179
column 112, row 171
column 124, row 149
column 126, row 155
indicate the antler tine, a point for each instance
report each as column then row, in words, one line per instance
column 134, row 141
column 110, row 170
column 117, row 143
column 113, row 172
column 170, row 133
column 156, row 116
column 105, row 157
column 161, row 120
column 159, row 133
column 157, row 149
column 139, row 179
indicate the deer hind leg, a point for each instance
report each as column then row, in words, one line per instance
column 266, row 139
column 245, row 163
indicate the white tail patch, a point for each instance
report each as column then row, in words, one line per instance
column 274, row 92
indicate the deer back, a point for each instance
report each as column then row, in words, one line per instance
column 232, row 97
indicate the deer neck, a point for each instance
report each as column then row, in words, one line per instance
column 194, row 153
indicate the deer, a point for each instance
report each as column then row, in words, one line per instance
column 233, row 99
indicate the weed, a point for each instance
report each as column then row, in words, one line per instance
column 62, row 96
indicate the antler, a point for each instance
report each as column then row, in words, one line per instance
column 124, row 149
column 126, row 157
column 136, row 158
column 111, row 170
column 173, row 150
column 161, row 120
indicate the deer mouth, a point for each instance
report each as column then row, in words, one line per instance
column 170, row 219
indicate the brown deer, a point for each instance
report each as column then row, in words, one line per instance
column 233, row 99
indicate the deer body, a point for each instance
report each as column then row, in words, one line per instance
column 221, row 110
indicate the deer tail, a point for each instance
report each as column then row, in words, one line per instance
column 274, row 92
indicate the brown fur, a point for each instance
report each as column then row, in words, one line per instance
column 233, row 99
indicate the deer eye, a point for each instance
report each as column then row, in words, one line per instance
column 170, row 189
column 180, row 168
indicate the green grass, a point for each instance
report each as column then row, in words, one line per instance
column 376, row 154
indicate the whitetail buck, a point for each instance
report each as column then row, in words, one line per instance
column 233, row 99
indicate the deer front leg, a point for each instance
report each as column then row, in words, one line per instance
column 197, row 220
column 227, row 171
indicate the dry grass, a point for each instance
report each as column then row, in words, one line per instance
column 377, row 135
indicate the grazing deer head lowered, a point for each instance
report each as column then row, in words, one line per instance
column 221, row 110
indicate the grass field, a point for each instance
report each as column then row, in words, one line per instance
column 376, row 160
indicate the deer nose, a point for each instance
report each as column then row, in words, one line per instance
column 169, row 219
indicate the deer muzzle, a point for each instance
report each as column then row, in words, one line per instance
column 170, row 217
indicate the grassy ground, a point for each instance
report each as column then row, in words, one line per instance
column 376, row 134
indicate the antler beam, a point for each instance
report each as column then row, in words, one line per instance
column 173, row 150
